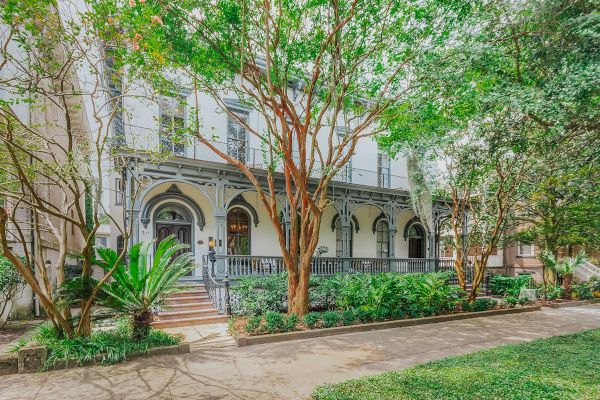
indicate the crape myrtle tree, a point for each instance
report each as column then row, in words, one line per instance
column 530, row 69
column 54, row 166
column 318, row 73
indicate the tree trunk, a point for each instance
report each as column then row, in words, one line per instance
column 567, row 285
column 298, row 289
column 141, row 324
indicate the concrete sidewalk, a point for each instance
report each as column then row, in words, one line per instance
column 291, row 370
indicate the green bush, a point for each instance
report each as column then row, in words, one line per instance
column 253, row 325
column 348, row 317
column 511, row 301
column 110, row 346
column 290, row 322
column 483, row 304
column 312, row 319
column 523, row 301
column 331, row 318
column 509, row 286
column 582, row 291
column 11, row 285
column 553, row 292
column 466, row 306
column 274, row 322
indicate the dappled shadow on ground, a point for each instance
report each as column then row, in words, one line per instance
column 291, row 370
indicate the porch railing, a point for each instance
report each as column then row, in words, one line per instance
column 218, row 292
column 239, row 266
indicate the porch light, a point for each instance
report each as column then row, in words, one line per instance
column 211, row 243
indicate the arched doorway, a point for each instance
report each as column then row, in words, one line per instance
column 238, row 232
column 173, row 219
column 416, row 241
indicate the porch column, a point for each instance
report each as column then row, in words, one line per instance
column 392, row 249
column 221, row 241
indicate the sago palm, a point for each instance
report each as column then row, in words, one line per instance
column 143, row 284
column 567, row 268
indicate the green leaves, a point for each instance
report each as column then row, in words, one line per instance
column 148, row 278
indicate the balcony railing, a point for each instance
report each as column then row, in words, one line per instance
column 146, row 139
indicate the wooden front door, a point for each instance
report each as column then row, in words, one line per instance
column 415, row 247
column 181, row 232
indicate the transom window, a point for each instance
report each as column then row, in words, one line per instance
column 172, row 124
column 237, row 138
column 172, row 214
column 383, row 239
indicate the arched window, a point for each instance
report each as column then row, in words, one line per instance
column 238, row 232
column 120, row 244
column 339, row 252
column 383, row 239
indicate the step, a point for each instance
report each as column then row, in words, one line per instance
column 212, row 319
column 189, row 293
column 190, row 306
column 179, row 314
column 186, row 300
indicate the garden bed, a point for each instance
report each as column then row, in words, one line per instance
column 46, row 351
column 242, row 341
column 559, row 303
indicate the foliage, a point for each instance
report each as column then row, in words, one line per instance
column 565, row 268
column 506, row 285
column 582, row 291
column 11, row 286
column 379, row 295
column 331, row 319
column 548, row 369
column 298, row 66
column 145, row 281
column 274, row 321
column 554, row 292
column 105, row 346
column 311, row 319
column 253, row 326
column 511, row 301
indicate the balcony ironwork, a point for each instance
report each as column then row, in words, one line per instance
column 149, row 140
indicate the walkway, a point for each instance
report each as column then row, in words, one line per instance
column 291, row 370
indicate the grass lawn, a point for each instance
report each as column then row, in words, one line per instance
column 563, row 367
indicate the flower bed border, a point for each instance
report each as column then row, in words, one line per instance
column 34, row 357
column 573, row 303
column 243, row 341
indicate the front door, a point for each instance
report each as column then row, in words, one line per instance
column 415, row 247
column 181, row 232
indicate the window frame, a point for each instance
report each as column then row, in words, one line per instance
column 232, row 122
column 380, row 242
column 525, row 255
column 166, row 131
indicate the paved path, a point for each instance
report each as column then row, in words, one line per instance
column 291, row 370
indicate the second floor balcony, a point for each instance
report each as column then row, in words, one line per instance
column 145, row 139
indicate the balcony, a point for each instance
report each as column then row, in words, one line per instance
column 145, row 139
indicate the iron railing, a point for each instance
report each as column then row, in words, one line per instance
column 186, row 146
column 240, row 266
column 218, row 292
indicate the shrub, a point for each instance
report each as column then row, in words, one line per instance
column 11, row 286
column 466, row 306
column 312, row 319
column 110, row 346
column 507, row 285
column 523, row 300
column 511, row 301
column 274, row 322
column 583, row 291
column 554, row 292
column 253, row 325
column 364, row 315
column 331, row 318
column 289, row 325
column 348, row 317
column 483, row 304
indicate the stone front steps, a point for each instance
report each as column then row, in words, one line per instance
column 188, row 308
